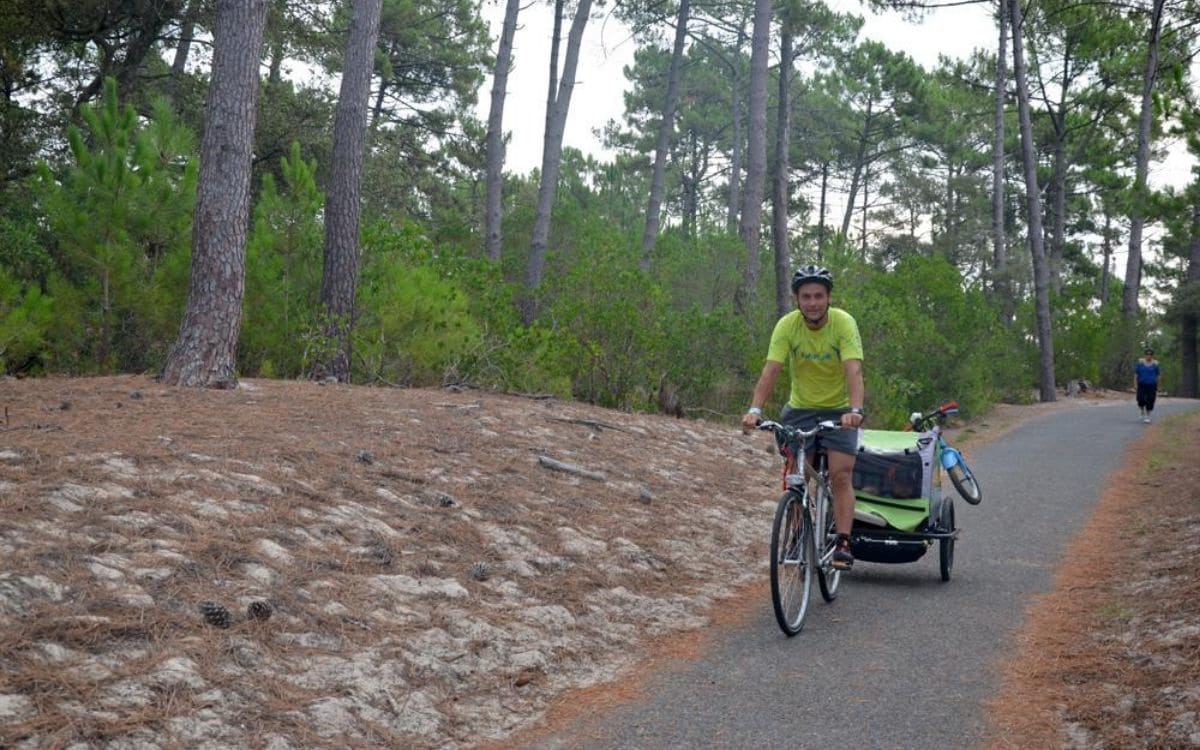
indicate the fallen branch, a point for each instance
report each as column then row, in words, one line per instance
column 590, row 423
column 578, row 471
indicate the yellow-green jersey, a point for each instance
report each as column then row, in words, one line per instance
column 814, row 358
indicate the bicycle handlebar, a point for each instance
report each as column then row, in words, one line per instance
column 795, row 432
column 918, row 419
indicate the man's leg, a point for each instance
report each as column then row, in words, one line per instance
column 841, row 476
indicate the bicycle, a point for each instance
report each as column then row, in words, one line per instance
column 953, row 463
column 798, row 554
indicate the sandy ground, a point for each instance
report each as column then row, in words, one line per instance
column 292, row 565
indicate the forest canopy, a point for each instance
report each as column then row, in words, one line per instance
column 971, row 212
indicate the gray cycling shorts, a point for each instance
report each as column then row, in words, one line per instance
column 837, row 441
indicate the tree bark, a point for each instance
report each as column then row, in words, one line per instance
column 1106, row 245
column 1189, row 383
column 551, row 161
column 821, row 213
column 1137, row 217
column 495, row 133
column 735, row 151
column 205, row 353
column 859, row 159
column 749, row 228
column 343, row 197
column 1058, row 209
column 552, row 86
column 782, row 195
column 697, row 166
column 187, row 31
column 665, row 127
column 866, row 187
column 999, row 241
column 1041, row 276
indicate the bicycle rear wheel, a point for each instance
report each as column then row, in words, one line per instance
column 946, row 545
column 828, row 576
column 964, row 481
column 793, row 557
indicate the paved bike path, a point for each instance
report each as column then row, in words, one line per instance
column 900, row 660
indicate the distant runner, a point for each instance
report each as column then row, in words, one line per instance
column 1146, row 382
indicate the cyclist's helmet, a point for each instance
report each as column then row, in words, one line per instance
column 807, row 274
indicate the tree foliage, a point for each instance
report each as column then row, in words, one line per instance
column 889, row 172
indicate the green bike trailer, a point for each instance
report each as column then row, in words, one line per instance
column 899, row 511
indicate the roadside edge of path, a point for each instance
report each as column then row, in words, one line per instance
column 579, row 709
column 1110, row 656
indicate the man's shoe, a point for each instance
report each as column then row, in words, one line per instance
column 1146, row 419
column 842, row 558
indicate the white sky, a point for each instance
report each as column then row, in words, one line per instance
column 608, row 48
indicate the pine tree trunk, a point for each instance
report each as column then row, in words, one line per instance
column 552, row 86
column 666, row 126
column 735, row 138
column 343, row 197
column 1137, row 217
column 551, row 161
column 1058, row 210
column 999, row 242
column 859, row 159
column 821, row 213
column 1106, row 245
column 495, row 133
column 866, row 185
column 1041, row 275
column 183, row 48
column 691, row 187
column 205, row 353
column 782, row 195
column 1189, row 383
column 750, row 226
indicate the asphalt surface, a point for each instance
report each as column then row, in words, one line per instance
column 900, row 660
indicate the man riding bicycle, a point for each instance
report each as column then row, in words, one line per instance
column 823, row 351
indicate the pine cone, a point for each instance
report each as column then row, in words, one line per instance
column 481, row 571
column 259, row 610
column 216, row 615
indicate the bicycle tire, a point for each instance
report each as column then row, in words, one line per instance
column 946, row 546
column 792, row 561
column 964, row 481
column 828, row 577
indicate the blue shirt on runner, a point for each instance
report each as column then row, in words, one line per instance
column 1147, row 372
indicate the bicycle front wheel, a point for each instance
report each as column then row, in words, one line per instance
column 964, row 481
column 793, row 560
column 828, row 576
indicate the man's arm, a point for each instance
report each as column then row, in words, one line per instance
column 762, row 391
column 855, row 389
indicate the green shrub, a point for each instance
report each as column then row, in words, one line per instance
column 111, row 219
column 284, row 263
column 25, row 318
column 414, row 324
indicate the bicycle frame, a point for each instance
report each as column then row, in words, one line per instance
column 796, row 473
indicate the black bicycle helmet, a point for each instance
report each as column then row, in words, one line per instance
column 807, row 274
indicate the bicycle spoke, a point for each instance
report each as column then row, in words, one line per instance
column 791, row 566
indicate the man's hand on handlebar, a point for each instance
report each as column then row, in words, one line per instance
column 750, row 420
